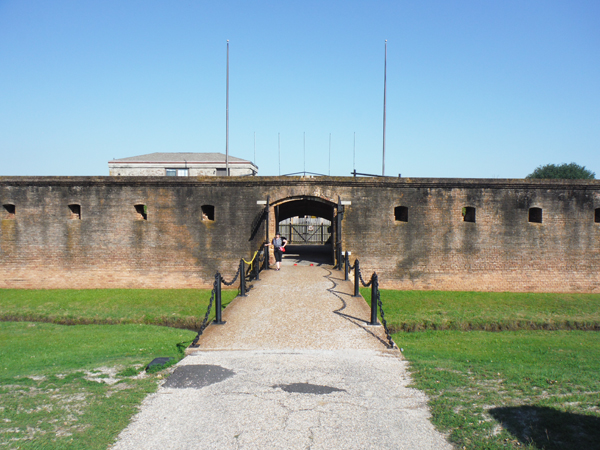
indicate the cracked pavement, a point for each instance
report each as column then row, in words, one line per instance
column 299, row 330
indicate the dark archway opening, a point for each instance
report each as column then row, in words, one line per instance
column 309, row 226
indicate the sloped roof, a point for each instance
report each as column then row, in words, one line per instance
column 179, row 157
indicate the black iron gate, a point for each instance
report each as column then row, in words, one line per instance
column 306, row 234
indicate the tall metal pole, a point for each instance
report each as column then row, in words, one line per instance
column 354, row 153
column 329, row 173
column 279, row 150
column 384, row 95
column 227, row 118
column 304, row 150
column 255, row 148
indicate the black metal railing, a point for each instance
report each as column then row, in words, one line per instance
column 253, row 272
column 376, row 304
column 244, row 274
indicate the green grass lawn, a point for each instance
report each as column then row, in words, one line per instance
column 514, row 389
column 529, row 388
column 180, row 308
column 487, row 390
column 76, row 387
column 53, row 378
column 490, row 311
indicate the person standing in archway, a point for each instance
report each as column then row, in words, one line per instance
column 278, row 244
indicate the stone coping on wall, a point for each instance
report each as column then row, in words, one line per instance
column 385, row 182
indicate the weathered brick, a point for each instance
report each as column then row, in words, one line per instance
column 45, row 246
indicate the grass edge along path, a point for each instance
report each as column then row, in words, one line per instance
column 508, row 389
column 76, row 387
column 488, row 311
column 515, row 389
column 60, row 398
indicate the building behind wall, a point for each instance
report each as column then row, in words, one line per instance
column 181, row 164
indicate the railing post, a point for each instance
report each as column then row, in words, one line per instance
column 242, row 279
column 346, row 262
column 266, row 250
column 218, row 320
column 374, row 289
column 356, row 279
column 257, row 267
column 267, row 222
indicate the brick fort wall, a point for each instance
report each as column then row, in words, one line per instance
column 90, row 232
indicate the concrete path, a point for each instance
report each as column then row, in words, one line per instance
column 294, row 367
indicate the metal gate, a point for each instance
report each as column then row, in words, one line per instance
column 305, row 234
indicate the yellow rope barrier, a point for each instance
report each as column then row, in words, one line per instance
column 252, row 260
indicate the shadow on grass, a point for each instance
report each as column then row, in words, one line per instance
column 548, row 428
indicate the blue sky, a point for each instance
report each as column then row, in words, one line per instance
column 482, row 89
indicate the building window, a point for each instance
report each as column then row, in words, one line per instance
column 221, row 172
column 535, row 215
column 208, row 212
column 177, row 172
column 468, row 213
column 401, row 213
column 142, row 212
column 9, row 211
column 75, row 211
column 597, row 215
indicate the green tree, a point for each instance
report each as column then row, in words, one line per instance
column 564, row 171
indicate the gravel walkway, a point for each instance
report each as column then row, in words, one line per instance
column 298, row 307
column 294, row 367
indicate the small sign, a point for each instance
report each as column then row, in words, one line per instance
column 346, row 202
column 261, row 202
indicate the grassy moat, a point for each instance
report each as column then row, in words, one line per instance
column 531, row 381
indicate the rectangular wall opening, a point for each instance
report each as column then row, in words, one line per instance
column 597, row 215
column 142, row 212
column 401, row 213
column 208, row 212
column 75, row 211
column 9, row 211
column 535, row 215
column 468, row 213
column 177, row 172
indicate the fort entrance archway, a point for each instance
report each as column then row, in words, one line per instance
column 309, row 224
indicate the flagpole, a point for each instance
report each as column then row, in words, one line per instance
column 329, row 170
column 354, row 154
column 384, row 98
column 227, row 117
